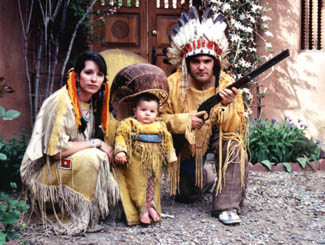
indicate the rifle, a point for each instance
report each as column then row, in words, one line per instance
column 215, row 99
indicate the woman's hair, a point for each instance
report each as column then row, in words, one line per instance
column 216, row 67
column 97, row 99
column 93, row 56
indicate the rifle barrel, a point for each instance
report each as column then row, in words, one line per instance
column 276, row 59
column 215, row 99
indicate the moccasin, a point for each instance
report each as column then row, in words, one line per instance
column 229, row 217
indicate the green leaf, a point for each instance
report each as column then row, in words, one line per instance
column 9, row 218
column 11, row 114
column 287, row 166
column 2, row 111
column 268, row 164
column 3, row 157
column 13, row 185
column 2, row 238
column 302, row 161
column 309, row 163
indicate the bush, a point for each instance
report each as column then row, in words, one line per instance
column 10, row 211
column 13, row 150
column 277, row 142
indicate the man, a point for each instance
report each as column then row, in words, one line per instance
column 199, row 76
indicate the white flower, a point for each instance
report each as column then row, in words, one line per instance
column 269, row 34
column 265, row 90
column 256, row 7
column 237, row 25
column 268, row 45
column 244, row 63
column 245, row 90
column 215, row 1
column 235, row 38
column 249, row 29
column 265, row 18
column 252, row 49
column 265, row 25
column 226, row 7
column 252, row 19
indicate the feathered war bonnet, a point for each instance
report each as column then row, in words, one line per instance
column 134, row 80
column 192, row 36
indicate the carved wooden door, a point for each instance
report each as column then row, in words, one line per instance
column 142, row 27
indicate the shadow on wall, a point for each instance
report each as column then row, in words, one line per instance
column 290, row 76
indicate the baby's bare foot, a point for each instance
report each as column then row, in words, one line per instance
column 145, row 218
column 154, row 215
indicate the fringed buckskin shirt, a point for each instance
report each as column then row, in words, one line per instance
column 229, row 119
column 145, row 159
column 81, row 185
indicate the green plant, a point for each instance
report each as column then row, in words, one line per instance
column 247, row 22
column 10, row 211
column 6, row 115
column 12, row 152
column 272, row 142
column 246, row 19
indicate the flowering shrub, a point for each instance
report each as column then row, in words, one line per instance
column 272, row 142
column 246, row 19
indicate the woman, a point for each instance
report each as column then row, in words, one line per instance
column 66, row 165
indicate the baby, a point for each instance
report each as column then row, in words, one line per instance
column 143, row 146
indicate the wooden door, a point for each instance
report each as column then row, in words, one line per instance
column 142, row 27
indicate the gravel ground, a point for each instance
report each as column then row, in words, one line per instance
column 280, row 208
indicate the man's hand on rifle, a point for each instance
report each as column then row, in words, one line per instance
column 228, row 95
column 196, row 118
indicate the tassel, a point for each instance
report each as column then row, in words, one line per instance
column 73, row 94
column 105, row 112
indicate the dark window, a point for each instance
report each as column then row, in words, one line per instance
column 312, row 25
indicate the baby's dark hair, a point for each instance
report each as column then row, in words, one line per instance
column 145, row 97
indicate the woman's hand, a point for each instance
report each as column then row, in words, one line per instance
column 108, row 150
column 82, row 145
column 120, row 157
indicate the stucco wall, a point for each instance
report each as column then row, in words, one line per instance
column 297, row 85
column 12, row 68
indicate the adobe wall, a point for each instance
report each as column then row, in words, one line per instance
column 297, row 85
column 12, row 68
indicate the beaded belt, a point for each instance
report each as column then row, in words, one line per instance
column 151, row 138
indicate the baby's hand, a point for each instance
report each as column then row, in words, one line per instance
column 120, row 157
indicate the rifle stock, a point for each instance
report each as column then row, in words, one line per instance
column 215, row 99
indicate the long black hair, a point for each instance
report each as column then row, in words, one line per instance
column 97, row 98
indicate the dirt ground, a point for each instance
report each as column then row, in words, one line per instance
column 280, row 208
